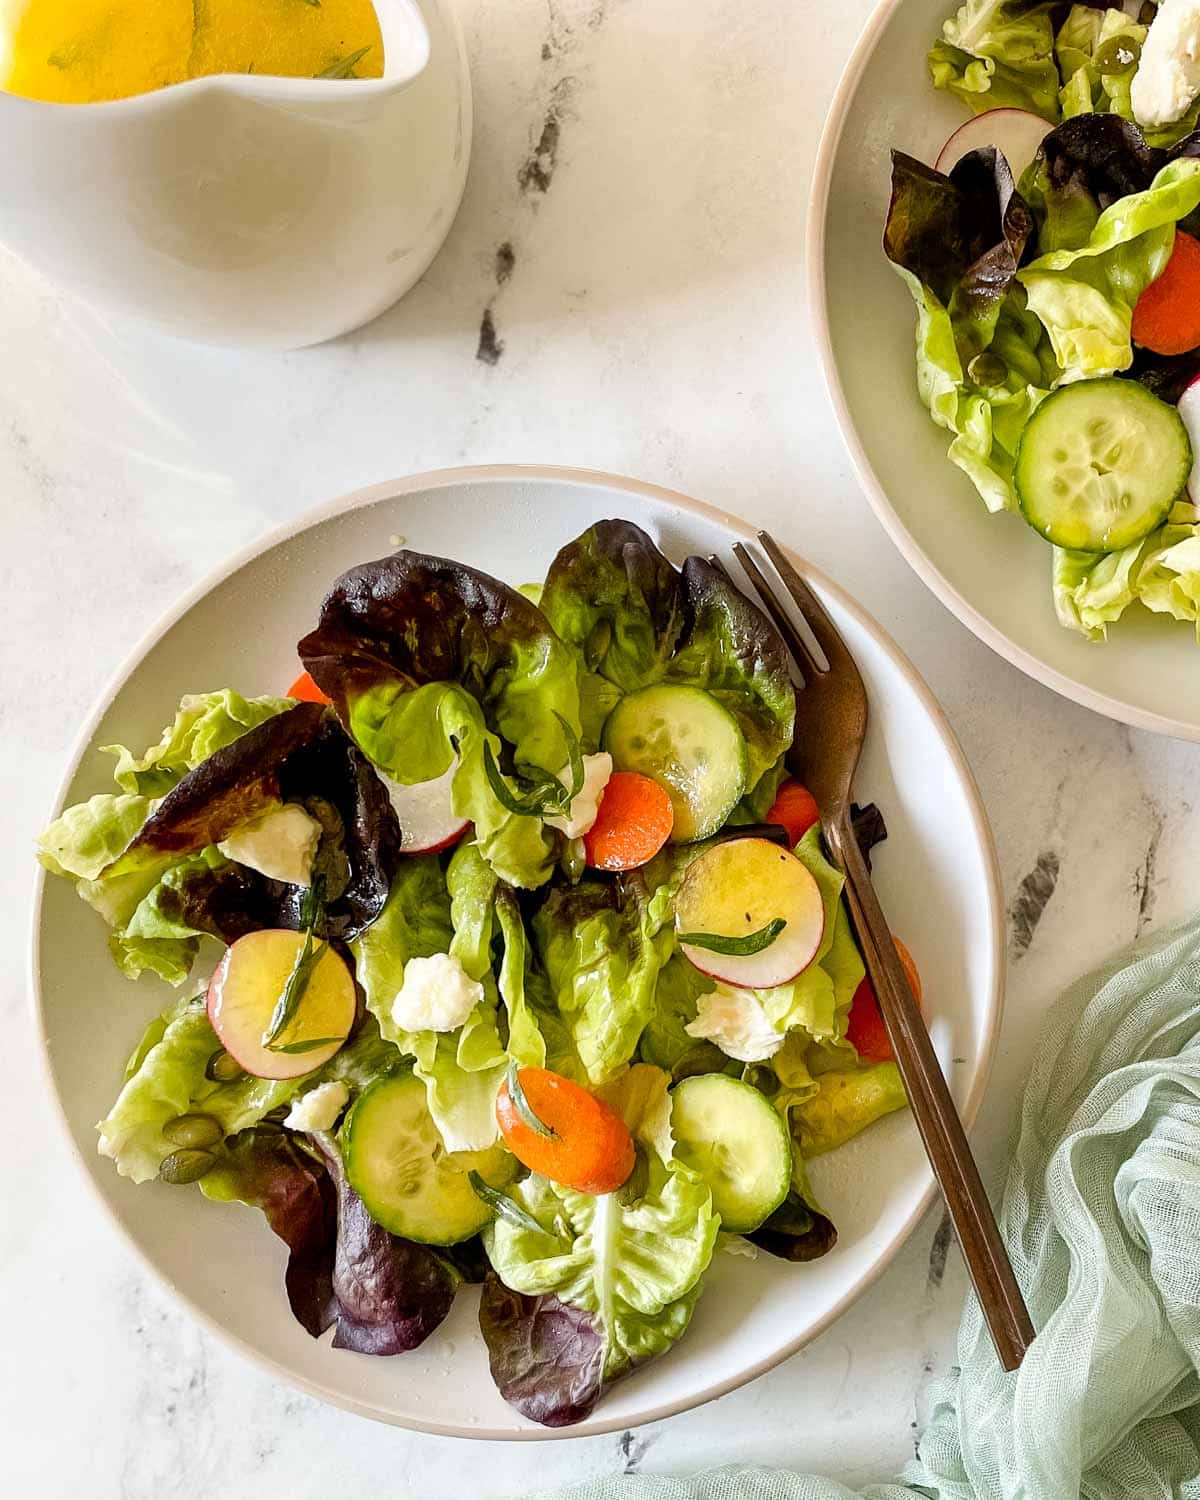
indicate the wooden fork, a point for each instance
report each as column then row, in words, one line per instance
column 831, row 723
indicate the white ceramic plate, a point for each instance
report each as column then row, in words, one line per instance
column 937, row 878
column 993, row 572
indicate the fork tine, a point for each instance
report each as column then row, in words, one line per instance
column 718, row 566
column 808, row 604
column 792, row 638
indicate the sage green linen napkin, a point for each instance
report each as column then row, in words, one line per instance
column 1101, row 1217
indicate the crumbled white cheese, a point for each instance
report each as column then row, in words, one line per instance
column 280, row 843
column 1168, row 72
column 737, row 1023
column 437, row 994
column 586, row 803
column 319, row 1108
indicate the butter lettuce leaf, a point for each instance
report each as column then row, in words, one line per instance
column 85, row 839
column 82, row 845
column 1084, row 294
column 602, row 1285
column 525, row 1043
column 602, row 955
column 1162, row 572
column 203, row 723
column 166, row 1078
column 996, row 54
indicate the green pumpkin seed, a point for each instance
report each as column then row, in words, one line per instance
column 188, row 1165
column 987, row 369
column 195, row 1130
column 222, row 1067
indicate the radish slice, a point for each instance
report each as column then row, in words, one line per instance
column 245, row 988
column 428, row 822
column 740, row 888
column 1015, row 132
column 1189, row 410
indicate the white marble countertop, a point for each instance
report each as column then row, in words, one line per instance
column 630, row 299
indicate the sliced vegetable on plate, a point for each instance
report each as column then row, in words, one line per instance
column 750, row 914
column 560, row 1130
column 281, row 1003
column 408, row 1182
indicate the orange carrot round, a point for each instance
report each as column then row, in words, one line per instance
column 581, row 1143
column 794, row 809
column 632, row 824
column 1166, row 318
column 306, row 690
column 865, row 1030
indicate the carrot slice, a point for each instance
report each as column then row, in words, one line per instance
column 632, row 824
column 794, row 809
column 581, row 1143
column 866, row 1031
column 306, row 690
column 1166, row 318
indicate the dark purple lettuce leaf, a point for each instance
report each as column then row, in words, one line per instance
column 796, row 1231
column 301, row 756
column 613, row 596
column 962, row 236
column 1101, row 154
column 385, row 1295
column 233, row 785
column 546, row 1357
column 267, row 1170
column 1167, row 375
column 413, row 619
column 869, row 828
column 1087, row 164
column 391, row 1294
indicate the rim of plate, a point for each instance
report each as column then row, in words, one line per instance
column 910, row 549
column 486, row 473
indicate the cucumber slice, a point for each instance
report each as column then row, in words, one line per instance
column 407, row 1179
column 738, row 1142
column 1100, row 464
column 682, row 738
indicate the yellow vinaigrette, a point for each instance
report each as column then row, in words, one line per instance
column 83, row 51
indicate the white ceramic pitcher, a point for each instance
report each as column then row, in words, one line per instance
column 271, row 212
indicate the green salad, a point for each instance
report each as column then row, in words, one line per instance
column 1052, row 253
column 507, row 953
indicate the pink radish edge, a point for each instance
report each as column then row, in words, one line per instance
column 425, row 809
column 1017, row 133
column 1189, row 410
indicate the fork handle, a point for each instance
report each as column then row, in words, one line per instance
column 933, row 1109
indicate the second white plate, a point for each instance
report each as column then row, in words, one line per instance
column 993, row 572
